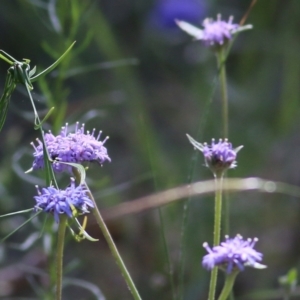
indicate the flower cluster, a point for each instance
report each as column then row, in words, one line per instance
column 75, row 147
column 218, row 156
column 214, row 33
column 233, row 254
column 71, row 201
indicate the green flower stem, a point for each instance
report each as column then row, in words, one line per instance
column 59, row 254
column 230, row 279
column 217, row 231
column 50, row 173
column 213, row 284
column 221, row 57
column 114, row 249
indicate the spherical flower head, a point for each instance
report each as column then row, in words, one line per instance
column 72, row 200
column 218, row 32
column 77, row 147
column 233, row 255
column 215, row 33
column 218, row 156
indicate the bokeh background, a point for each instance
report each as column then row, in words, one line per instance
column 137, row 77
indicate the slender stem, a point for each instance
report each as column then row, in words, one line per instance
column 218, row 209
column 38, row 122
column 59, row 255
column 115, row 252
column 217, row 231
column 6, row 59
column 213, row 283
column 113, row 248
column 230, row 279
column 224, row 95
column 187, row 203
column 50, row 178
column 221, row 58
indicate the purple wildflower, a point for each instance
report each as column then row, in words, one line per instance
column 218, row 156
column 56, row 202
column 233, row 254
column 75, row 147
column 214, row 33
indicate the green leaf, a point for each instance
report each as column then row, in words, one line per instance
column 27, row 221
column 32, row 71
column 38, row 126
column 16, row 213
column 54, row 65
column 84, row 233
column 6, row 59
column 80, row 169
column 5, row 98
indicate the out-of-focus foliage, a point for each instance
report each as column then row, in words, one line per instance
column 137, row 77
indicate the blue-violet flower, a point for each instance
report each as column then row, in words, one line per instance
column 75, row 147
column 214, row 33
column 218, row 156
column 233, row 254
column 72, row 200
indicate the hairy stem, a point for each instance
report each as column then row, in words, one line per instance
column 221, row 58
column 115, row 251
column 217, row 232
column 59, row 255
column 111, row 243
column 230, row 279
column 224, row 95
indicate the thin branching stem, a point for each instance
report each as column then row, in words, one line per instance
column 114, row 251
column 111, row 243
column 37, row 123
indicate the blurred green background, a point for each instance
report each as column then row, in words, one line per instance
column 146, row 84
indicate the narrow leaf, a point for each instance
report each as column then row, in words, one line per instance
column 197, row 145
column 32, row 71
column 80, row 169
column 54, row 65
column 6, row 59
column 17, row 212
column 38, row 126
column 5, row 98
column 84, row 233
column 19, row 227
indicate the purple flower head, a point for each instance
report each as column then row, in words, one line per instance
column 75, row 147
column 215, row 33
column 218, row 156
column 233, row 254
column 56, row 202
